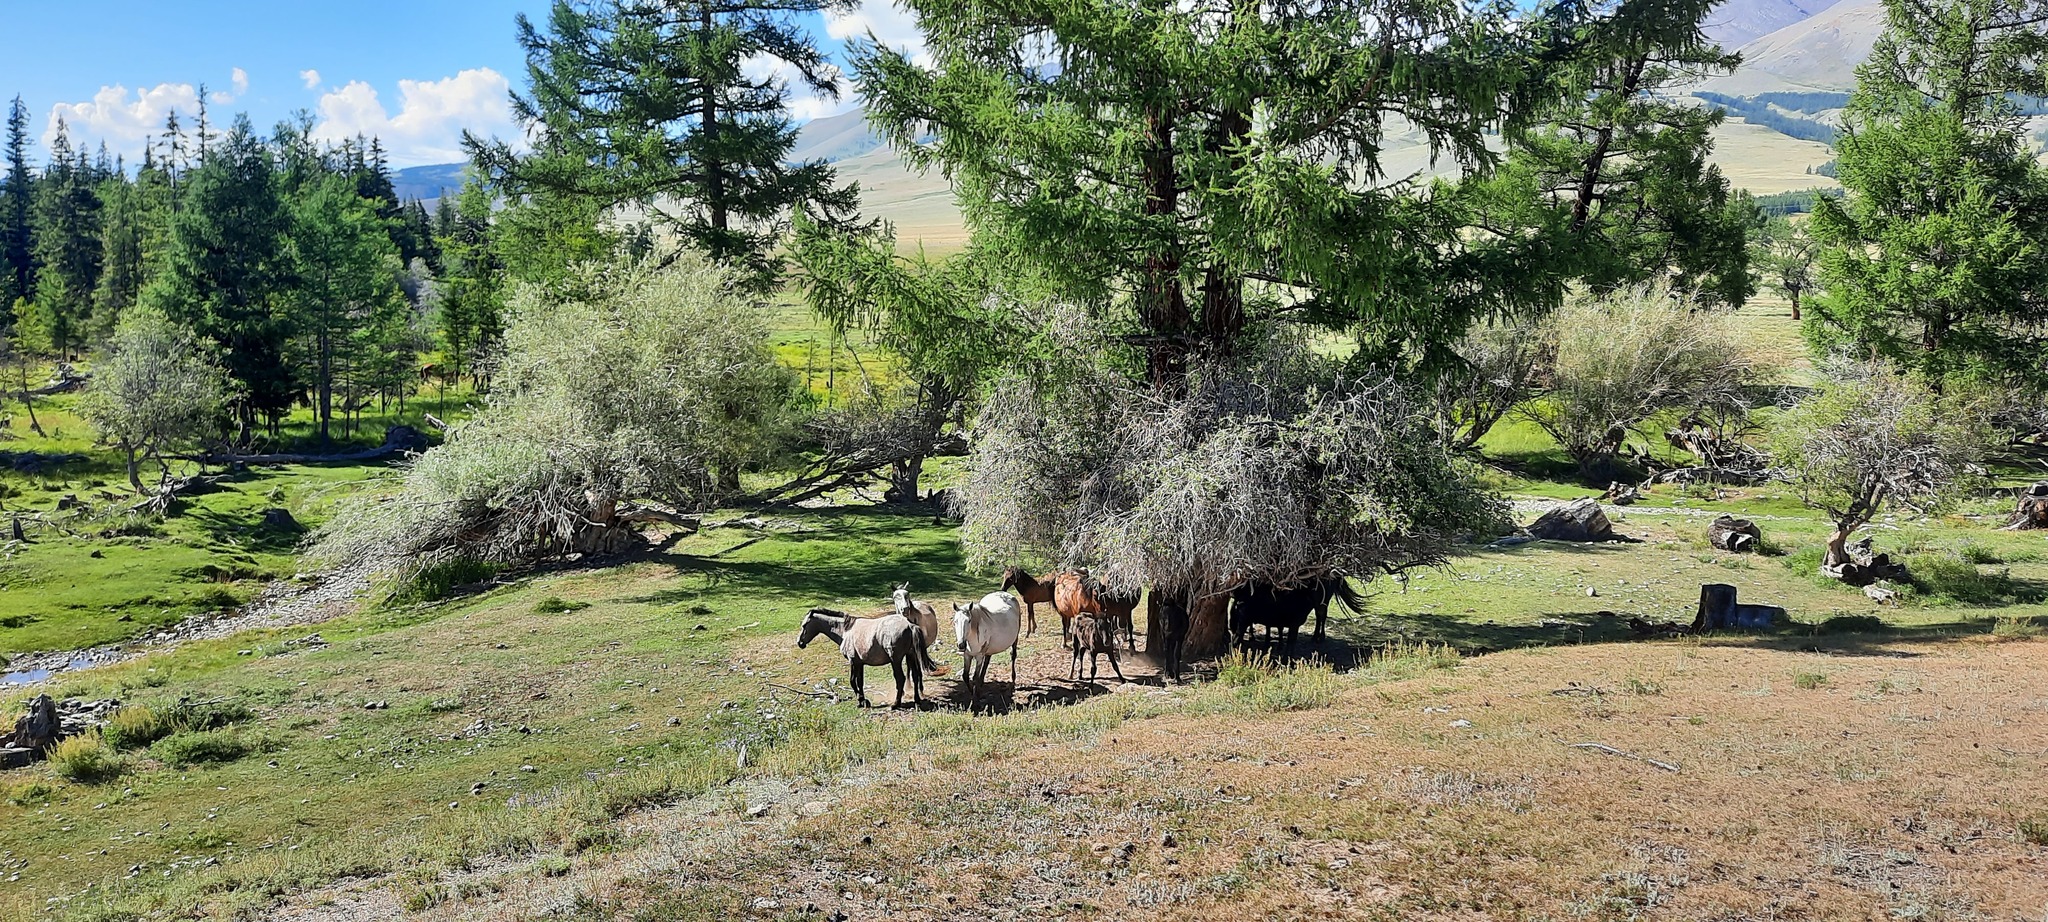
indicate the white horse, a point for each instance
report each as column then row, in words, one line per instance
column 984, row 629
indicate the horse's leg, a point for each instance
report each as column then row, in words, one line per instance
column 1131, row 630
column 1030, row 618
column 1322, row 619
column 1113, row 664
column 917, row 681
column 896, row 667
column 860, row 685
column 1013, row 669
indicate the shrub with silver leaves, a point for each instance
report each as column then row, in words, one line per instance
column 611, row 408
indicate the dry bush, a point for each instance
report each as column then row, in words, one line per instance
column 1277, row 464
column 1626, row 356
column 618, row 405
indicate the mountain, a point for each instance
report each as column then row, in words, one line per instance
column 1820, row 52
column 1739, row 22
column 835, row 137
column 428, row 183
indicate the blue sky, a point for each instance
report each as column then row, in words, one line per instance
column 415, row 74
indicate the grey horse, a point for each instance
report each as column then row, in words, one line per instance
column 891, row 639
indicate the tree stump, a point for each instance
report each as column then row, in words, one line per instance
column 1578, row 520
column 1729, row 533
column 1717, row 608
column 2032, row 509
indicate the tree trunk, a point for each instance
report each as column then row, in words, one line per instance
column 1162, row 305
column 135, row 473
column 1208, row 627
column 1837, row 552
column 714, row 171
column 325, row 387
column 1589, row 182
column 1717, row 608
column 1794, row 296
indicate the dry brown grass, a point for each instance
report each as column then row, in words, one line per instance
column 1900, row 788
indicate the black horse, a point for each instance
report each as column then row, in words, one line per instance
column 1173, row 632
column 1287, row 608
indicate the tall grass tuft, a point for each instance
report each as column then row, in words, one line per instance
column 86, row 759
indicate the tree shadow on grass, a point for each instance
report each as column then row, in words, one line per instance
column 857, row 552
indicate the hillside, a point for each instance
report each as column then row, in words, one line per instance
column 1738, row 22
column 1818, row 53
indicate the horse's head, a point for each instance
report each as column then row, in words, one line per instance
column 818, row 621
column 1012, row 577
column 901, row 597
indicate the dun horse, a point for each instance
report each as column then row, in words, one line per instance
column 920, row 613
column 891, row 639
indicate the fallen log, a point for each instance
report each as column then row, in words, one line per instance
column 396, row 439
column 1729, row 533
column 2031, row 509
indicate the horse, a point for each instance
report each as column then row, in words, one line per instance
column 1031, row 591
column 865, row 642
column 1287, row 608
column 984, row 629
column 1093, row 636
column 1173, row 632
column 922, row 613
column 1075, row 593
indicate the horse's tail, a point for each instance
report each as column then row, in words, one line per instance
column 924, row 655
column 1342, row 591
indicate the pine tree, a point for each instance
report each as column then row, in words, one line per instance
column 1175, row 168
column 124, row 233
column 17, row 260
column 1936, row 259
column 66, row 220
column 227, row 269
column 346, row 272
column 473, row 297
column 652, row 103
column 1618, row 174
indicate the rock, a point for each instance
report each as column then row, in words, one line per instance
column 1166, row 840
column 1729, row 533
column 1460, row 724
column 375, row 705
column 757, row 811
column 1592, row 592
column 279, row 519
column 1718, row 611
column 37, row 728
column 1881, row 594
column 815, row 808
column 1578, row 520
column 1512, row 541
column 1621, row 494
column 16, row 757
column 528, row 768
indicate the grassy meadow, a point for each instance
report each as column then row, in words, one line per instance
column 643, row 741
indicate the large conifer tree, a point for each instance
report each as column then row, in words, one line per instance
column 17, row 262
column 67, row 252
column 228, row 267
column 1936, row 258
column 657, row 103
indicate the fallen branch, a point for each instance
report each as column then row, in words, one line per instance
column 1610, row 750
column 807, row 693
column 396, row 439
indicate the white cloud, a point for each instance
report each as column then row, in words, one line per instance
column 124, row 122
column 240, row 80
column 804, row 104
column 888, row 23
column 311, row 78
column 431, row 115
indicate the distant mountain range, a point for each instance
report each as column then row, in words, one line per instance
column 428, row 183
column 1738, row 22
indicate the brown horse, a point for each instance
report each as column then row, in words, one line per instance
column 1075, row 593
column 1093, row 636
column 1031, row 591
